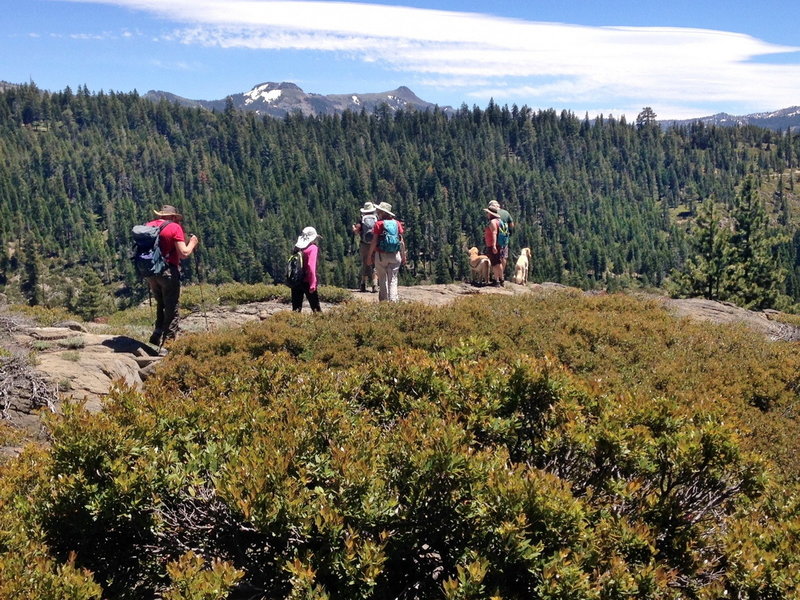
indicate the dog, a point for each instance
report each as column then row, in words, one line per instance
column 521, row 268
column 480, row 266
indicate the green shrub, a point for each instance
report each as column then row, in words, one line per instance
column 44, row 316
column 138, row 316
column 204, row 297
column 522, row 448
column 74, row 343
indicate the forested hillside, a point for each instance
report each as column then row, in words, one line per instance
column 599, row 202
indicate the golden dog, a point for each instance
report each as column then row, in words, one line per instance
column 480, row 266
column 521, row 268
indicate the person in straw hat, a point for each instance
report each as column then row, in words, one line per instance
column 166, row 286
column 492, row 237
column 387, row 252
column 364, row 229
column 506, row 218
column 307, row 243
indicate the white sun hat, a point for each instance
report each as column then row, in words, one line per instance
column 308, row 235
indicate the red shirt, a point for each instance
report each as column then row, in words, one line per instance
column 169, row 235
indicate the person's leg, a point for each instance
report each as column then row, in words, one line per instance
column 497, row 266
column 393, row 273
column 172, row 294
column 313, row 300
column 381, row 269
column 157, row 292
column 297, row 298
column 367, row 271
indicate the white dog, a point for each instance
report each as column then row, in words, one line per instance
column 480, row 266
column 521, row 268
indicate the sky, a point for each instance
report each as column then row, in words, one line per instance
column 682, row 58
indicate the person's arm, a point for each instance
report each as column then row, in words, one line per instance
column 311, row 263
column 184, row 249
column 493, row 231
column 401, row 231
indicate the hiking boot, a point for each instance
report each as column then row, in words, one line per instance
column 374, row 289
column 363, row 287
column 155, row 339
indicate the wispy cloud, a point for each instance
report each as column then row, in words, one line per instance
column 501, row 57
column 175, row 65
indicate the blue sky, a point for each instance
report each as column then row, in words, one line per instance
column 683, row 58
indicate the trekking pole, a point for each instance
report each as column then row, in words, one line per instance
column 202, row 294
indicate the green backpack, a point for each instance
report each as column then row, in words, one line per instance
column 502, row 234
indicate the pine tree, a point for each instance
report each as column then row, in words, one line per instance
column 754, row 276
column 32, row 273
column 704, row 273
column 92, row 296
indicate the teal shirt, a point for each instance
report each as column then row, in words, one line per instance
column 506, row 217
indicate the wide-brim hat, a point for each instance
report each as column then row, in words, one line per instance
column 369, row 207
column 168, row 211
column 385, row 208
column 308, row 235
column 492, row 213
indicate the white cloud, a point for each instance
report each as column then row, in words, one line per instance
column 524, row 59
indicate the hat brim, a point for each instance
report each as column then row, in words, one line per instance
column 304, row 243
column 494, row 214
column 366, row 212
column 163, row 214
column 384, row 212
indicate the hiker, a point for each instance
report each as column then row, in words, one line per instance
column 387, row 252
column 307, row 245
column 364, row 229
column 505, row 216
column 493, row 238
column 166, row 286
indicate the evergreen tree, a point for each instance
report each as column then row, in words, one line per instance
column 646, row 118
column 91, row 298
column 705, row 271
column 32, row 273
column 755, row 277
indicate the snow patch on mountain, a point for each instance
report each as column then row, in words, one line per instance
column 264, row 93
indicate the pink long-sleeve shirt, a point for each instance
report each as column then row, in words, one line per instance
column 310, row 265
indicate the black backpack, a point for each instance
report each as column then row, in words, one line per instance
column 146, row 254
column 294, row 270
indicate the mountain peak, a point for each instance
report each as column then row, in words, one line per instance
column 284, row 98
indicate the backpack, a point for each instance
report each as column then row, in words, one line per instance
column 502, row 233
column 294, row 270
column 367, row 225
column 146, row 255
column 390, row 238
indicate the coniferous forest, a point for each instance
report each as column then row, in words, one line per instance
column 552, row 445
column 600, row 202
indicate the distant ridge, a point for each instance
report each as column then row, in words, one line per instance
column 282, row 99
column 779, row 120
column 5, row 85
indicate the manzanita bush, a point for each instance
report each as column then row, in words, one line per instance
column 507, row 448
